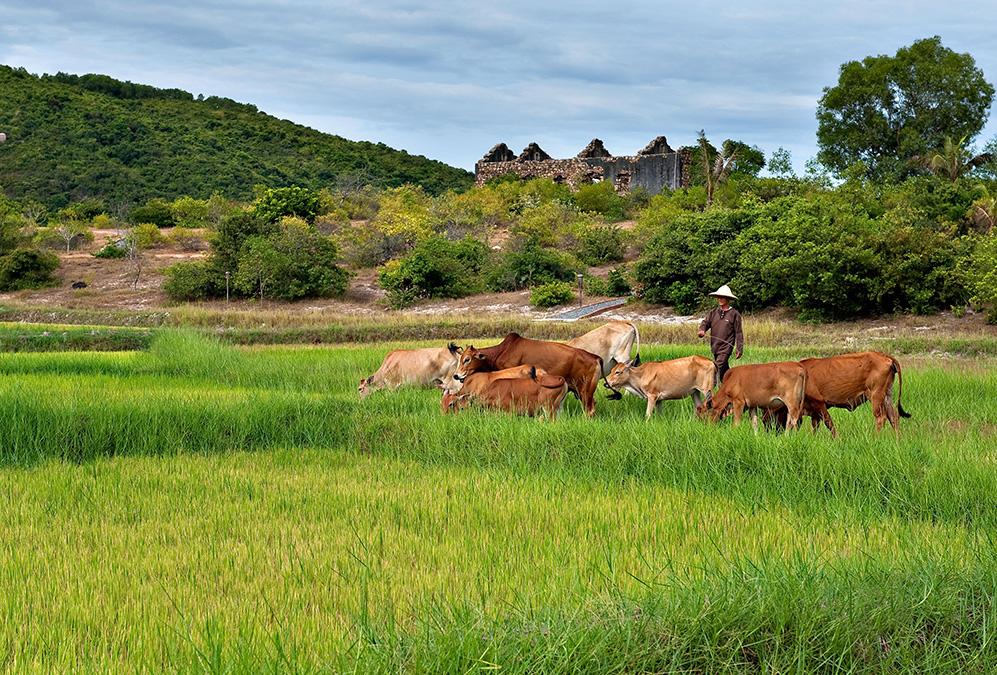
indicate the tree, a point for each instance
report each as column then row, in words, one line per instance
column 781, row 163
column 155, row 211
column 71, row 232
column 716, row 165
column 886, row 110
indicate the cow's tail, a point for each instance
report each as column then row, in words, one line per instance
column 900, row 387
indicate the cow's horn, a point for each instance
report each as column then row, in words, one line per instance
column 636, row 361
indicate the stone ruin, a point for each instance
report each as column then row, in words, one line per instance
column 654, row 168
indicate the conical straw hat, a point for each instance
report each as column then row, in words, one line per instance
column 723, row 292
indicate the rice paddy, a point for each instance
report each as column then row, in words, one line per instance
column 199, row 507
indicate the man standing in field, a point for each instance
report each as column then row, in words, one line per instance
column 726, row 336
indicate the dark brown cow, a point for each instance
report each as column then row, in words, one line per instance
column 762, row 386
column 579, row 368
column 849, row 380
column 525, row 390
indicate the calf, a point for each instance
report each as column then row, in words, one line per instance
column 666, row 380
column 763, row 386
column 525, row 390
column 412, row 367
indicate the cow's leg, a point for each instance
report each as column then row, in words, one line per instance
column 652, row 403
column 586, row 393
column 697, row 399
column 754, row 420
column 738, row 409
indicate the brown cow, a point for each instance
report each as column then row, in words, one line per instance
column 412, row 367
column 848, row 381
column 580, row 369
column 525, row 390
column 761, row 386
column 666, row 380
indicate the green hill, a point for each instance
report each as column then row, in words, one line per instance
column 71, row 136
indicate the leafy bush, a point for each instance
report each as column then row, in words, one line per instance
column 272, row 204
column 618, row 282
column 190, row 212
column 601, row 198
column 530, row 267
column 111, row 250
column 595, row 286
column 294, row 262
column 983, row 275
column 186, row 239
column 27, row 268
column 146, row 236
column 191, row 281
column 436, row 268
column 551, row 294
column 156, row 211
column 600, row 244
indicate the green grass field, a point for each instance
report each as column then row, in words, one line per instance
column 205, row 508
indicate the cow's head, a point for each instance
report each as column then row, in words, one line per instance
column 619, row 376
column 364, row 389
column 714, row 408
column 470, row 361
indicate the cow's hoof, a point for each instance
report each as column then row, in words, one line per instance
column 615, row 396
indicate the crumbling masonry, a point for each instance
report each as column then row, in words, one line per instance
column 655, row 167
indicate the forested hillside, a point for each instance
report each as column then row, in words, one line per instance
column 70, row 137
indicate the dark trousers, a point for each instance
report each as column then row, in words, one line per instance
column 721, row 360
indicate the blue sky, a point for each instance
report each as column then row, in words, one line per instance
column 451, row 79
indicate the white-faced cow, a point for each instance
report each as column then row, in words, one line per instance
column 665, row 380
column 413, row 368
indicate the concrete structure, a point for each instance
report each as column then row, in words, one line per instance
column 655, row 167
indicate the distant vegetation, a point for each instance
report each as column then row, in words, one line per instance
column 72, row 137
column 905, row 227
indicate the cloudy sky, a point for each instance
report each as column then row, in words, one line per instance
column 450, row 79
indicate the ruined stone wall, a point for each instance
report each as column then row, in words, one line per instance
column 650, row 172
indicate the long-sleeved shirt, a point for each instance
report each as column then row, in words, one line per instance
column 725, row 330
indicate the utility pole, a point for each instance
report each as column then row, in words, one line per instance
column 580, row 277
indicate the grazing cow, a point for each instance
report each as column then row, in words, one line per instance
column 525, row 390
column 762, row 386
column 848, row 381
column 412, row 367
column 666, row 380
column 580, row 369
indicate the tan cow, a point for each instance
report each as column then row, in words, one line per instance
column 665, row 380
column 612, row 342
column 524, row 390
column 766, row 386
column 412, row 367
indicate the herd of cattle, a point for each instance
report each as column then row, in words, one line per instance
column 530, row 377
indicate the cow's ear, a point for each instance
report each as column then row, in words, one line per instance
column 454, row 349
column 636, row 361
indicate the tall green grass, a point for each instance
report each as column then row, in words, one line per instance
column 198, row 507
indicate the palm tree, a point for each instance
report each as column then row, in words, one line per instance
column 715, row 168
column 983, row 211
column 953, row 160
